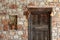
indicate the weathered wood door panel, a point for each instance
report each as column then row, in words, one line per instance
column 39, row 26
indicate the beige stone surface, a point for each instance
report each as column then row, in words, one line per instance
column 15, row 7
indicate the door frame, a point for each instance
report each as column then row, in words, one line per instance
column 28, row 16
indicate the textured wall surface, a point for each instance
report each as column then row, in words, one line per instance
column 15, row 7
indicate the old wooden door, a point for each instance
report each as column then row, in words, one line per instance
column 39, row 25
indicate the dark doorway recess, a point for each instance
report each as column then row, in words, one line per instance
column 39, row 27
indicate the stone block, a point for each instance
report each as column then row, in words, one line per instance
column 49, row 0
column 56, row 0
column 12, row 33
column 16, row 36
column 58, row 4
column 20, row 33
column 51, row 4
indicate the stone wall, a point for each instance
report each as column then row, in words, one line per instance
column 15, row 7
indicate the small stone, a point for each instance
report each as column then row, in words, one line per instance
column 18, row 3
column 2, row 0
column 20, row 38
column 11, row 37
column 4, row 32
column 57, row 8
column 59, row 30
column 55, row 0
column 22, row 19
column 11, row 0
column 3, row 17
column 42, row 3
column 19, row 27
column 54, row 34
column 13, row 6
column 54, row 31
column 7, row 16
column 1, row 28
column 12, row 33
column 1, row 5
column 20, row 23
column 13, row 10
column 31, row 4
column 16, row 36
column 20, row 32
column 54, row 38
column 58, row 5
column 19, row 9
column 49, row 0
column 6, row 28
column 59, row 38
column 0, row 32
column 1, row 36
column 26, row 24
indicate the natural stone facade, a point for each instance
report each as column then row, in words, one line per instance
column 15, row 7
